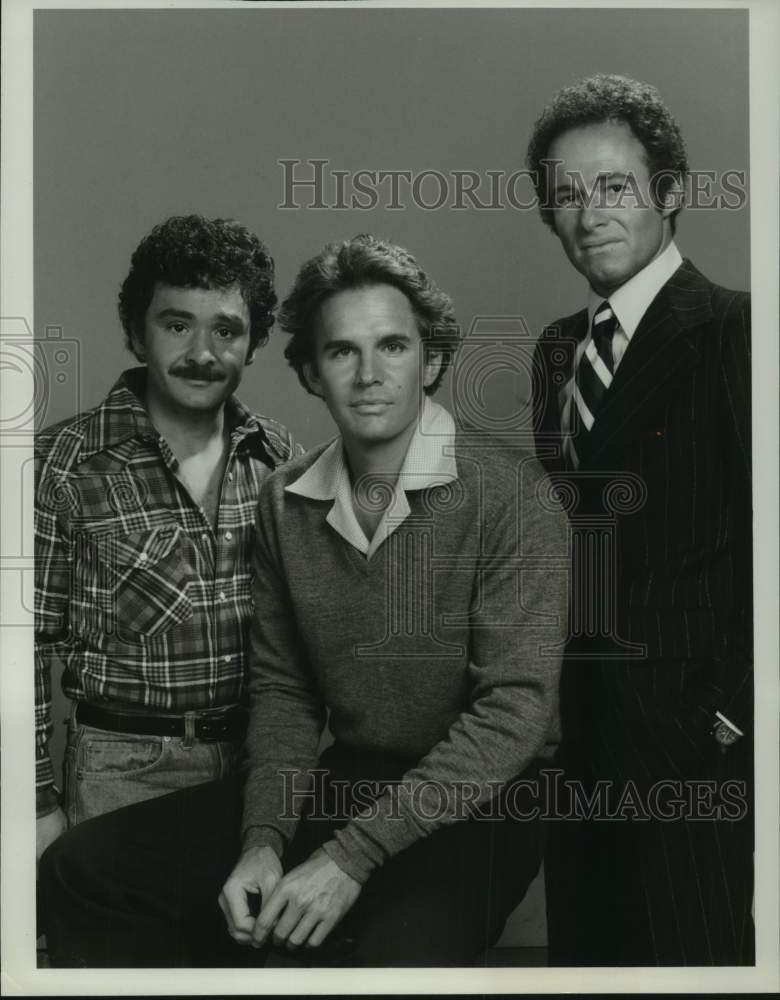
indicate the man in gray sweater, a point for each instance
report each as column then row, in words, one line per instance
column 410, row 587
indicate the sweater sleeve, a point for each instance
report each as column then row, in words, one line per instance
column 286, row 713
column 518, row 626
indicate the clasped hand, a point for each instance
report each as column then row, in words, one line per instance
column 299, row 908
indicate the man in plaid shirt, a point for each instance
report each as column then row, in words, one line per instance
column 144, row 517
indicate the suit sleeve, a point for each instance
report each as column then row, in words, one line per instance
column 723, row 682
column 736, row 670
column 726, row 686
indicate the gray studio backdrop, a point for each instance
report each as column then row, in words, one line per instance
column 144, row 114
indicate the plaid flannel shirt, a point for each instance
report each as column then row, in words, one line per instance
column 143, row 599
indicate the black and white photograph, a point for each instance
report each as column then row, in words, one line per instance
column 389, row 447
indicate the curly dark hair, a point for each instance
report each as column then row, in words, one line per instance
column 359, row 263
column 189, row 251
column 611, row 98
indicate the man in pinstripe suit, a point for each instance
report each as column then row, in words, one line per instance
column 643, row 417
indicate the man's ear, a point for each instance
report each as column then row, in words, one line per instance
column 673, row 198
column 312, row 378
column 250, row 357
column 137, row 344
column 433, row 363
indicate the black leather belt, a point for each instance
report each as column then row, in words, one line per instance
column 210, row 728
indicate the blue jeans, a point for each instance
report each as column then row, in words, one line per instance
column 105, row 771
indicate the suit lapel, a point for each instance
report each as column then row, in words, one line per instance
column 664, row 345
column 559, row 343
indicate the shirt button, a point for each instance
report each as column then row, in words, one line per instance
column 222, row 595
column 230, row 477
column 205, row 536
column 228, row 535
column 227, row 659
column 143, row 557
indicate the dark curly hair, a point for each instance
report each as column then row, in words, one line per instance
column 189, row 251
column 610, row 98
column 359, row 263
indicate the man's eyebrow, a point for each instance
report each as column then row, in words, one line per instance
column 338, row 342
column 394, row 337
column 171, row 311
column 220, row 317
column 229, row 317
column 384, row 339
column 573, row 178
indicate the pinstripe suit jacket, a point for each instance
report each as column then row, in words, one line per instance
column 668, row 464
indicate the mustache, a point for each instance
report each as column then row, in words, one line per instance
column 196, row 372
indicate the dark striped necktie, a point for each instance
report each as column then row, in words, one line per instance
column 594, row 374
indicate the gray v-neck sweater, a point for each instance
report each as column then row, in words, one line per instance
column 443, row 648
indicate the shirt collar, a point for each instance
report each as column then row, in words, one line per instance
column 122, row 415
column 629, row 303
column 429, row 461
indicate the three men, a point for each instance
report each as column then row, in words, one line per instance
column 144, row 513
column 644, row 419
column 398, row 592
column 409, row 583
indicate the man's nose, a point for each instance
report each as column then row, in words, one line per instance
column 591, row 215
column 368, row 369
column 200, row 348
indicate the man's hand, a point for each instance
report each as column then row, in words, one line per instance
column 306, row 904
column 47, row 829
column 258, row 871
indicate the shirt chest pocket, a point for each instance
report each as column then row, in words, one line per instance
column 133, row 586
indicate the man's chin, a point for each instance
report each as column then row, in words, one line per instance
column 202, row 399
column 368, row 434
column 605, row 280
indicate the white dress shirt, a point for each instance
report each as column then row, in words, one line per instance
column 629, row 303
